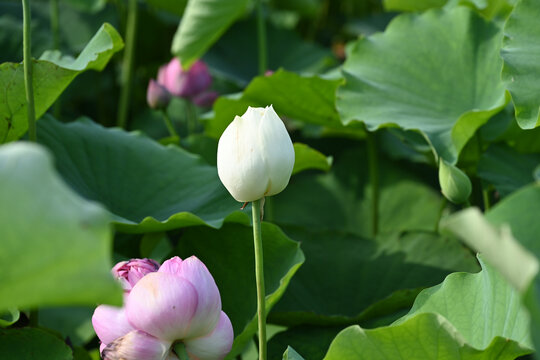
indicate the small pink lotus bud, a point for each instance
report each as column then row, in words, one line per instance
column 157, row 96
column 205, row 99
column 130, row 272
column 186, row 84
column 268, row 73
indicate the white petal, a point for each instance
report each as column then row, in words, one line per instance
column 277, row 149
column 239, row 161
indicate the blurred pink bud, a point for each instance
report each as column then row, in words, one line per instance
column 186, row 84
column 205, row 99
column 130, row 272
column 157, row 95
column 268, row 72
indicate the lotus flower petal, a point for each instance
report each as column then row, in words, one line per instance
column 110, row 323
column 137, row 345
column 214, row 346
column 163, row 305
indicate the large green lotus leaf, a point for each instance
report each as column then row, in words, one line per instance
column 203, row 22
column 228, row 253
column 306, row 158
column 346, row 190
column 412, row 5
column 291, row 354
column 310, row 341
column 234, row 56
column 32, row 344
column 468, row 316
column 51, row 75
column 507, row 169
column 306, row 98
column 488, row 8
column 335, row 285
column 438, row 72
column 425, row 336
column 520, row 51
column 146, row 186
column 507, row 238
column 55, row 246
column 74, row 322
column 480, row 306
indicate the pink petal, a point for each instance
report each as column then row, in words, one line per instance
column 209, row 305
column 136, row 345
column 110, row 323
column 157, row 96
column 199, row 78
column 171, row 266
column 129, row 272
column 214, row 346
column 205, row 99
column 162, row 305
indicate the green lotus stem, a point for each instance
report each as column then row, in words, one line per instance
column 261, row 34
column 191, row 118
column 180, row 350
column 485, row 197
column 169, row 124
column 259, row 277
column 374, row 180
column 444, row 202
column 54, row 24
column 27, row 60
column 127, row 65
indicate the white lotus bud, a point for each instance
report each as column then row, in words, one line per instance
column 255, row 155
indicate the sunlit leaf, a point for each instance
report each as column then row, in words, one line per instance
column 56, row 246
column 51, row 75
column 402, row 77
column 146, row 186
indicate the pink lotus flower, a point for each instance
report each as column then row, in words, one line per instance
column 157, row 96
column 182, row 83
column 178, row 303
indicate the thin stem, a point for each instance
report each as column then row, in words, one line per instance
column 374, row 179
column 444, row 202
column 485, row 196
column 27, row 59
column 191, row 118
column 54, row 24
column 127, row 65
column 261, row 34
column 259, row 277
column 169, row 124
column 180, row 350
column 56, row 46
